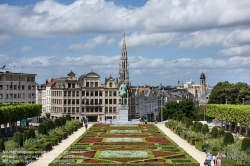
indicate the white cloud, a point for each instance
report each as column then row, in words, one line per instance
column 149, row 70
column 236, row 51
column 26, row 49
column 91, row 43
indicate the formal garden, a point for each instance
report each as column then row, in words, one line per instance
column 236, row 150
column 27, row 146
column 113, row 144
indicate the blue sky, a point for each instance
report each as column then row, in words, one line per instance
column 166, row 39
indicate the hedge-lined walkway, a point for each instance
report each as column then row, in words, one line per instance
column 191, row 150
column 48, row 157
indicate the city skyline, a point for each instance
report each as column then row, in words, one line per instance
column 166, row 41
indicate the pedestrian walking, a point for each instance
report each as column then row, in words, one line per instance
column 85, row 122
column 209, row 157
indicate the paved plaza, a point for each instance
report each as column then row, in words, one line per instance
column 47, row 158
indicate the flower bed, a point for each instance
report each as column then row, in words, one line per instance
column 131, row 144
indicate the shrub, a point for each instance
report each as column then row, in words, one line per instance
column 57, row 122
column 46, row 125
column 245, row 144
column 51, row 124
column 204, row 129
column 26, row 135
column 179, row 117
column 18, row 138
column 221, row 133
column 68, row 117
column 2, row 148
column 198, row 127
column 46, row 146
column 32, row 133
column 228, row 138
column 214, row 132
column 189, row 123
column 194, row 126
column 42, row 129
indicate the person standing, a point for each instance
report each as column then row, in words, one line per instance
column 209, row 157
column 218, row 159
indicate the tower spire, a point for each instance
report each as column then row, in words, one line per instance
column 123, row 66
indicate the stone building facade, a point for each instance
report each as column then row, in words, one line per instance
column 85, row 96
column 17, row 87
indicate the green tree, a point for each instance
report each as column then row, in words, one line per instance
column 225, row 92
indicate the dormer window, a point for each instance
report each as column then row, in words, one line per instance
column 110, row 84
column 69, row 85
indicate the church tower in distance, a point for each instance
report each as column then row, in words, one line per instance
column 123, row 66
column 202, row 83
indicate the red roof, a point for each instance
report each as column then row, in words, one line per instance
column 52, row 82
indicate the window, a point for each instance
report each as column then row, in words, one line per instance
column 23, row 95
column 100, row 101
column 6, row 87
column 114, row 101
column 69, row 85
column 91, row 109
column 73, row 93
column 15, row 96
column 110, row 93
column 6, row 96
column 10, row 87
column 29, row 87
column 15, row 87
column 96, row 101
column 65, row 101
column 96, row 84
column 87, row 84
column 106, row 101
column 91, row 84
column 83, row 93
column 87, row 101
column 96, row 109
column 19, row 87
column 96, row 93
column 1, row 96
column 28, row 79
column 110, row 101
column 77, row 109
column 69, row 101
column 0, row 78
column 100, row 93
column 106, row 109
column 73, row 85
column 114, row 109
column 29, row 95
column 77, row 93
column 33, row 87
column 87, row 93
column 1, row 87
column 106, row 93
column 31, row 79
column 110, row 109
column 92, row 101
column 65, row 93
column 23, row 87
column 69, row 93
column 114, row 93
column 73, row 101
column 110, row 84
column 91, row 93
column 64, row 109
column 77, row 101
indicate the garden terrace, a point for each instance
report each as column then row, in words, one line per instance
column 107, row 144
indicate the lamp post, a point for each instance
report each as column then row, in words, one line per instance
column 226, row 100
column 243, row 101
column 162, row 103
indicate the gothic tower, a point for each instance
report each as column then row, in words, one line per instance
column 202, row 83
column 123, row 66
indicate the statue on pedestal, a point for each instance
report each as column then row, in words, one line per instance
column 123, row 94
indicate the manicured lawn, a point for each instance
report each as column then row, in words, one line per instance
column 109, row 144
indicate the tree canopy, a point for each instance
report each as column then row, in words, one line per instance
column 225, row 92
column 185, row 108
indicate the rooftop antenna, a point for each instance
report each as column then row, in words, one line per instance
column 3, row 66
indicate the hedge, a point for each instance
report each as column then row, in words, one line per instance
column 245, row 144
column 2, row 148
